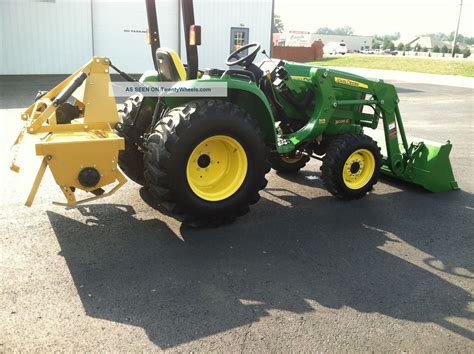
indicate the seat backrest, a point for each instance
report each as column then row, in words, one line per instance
column 170, row 66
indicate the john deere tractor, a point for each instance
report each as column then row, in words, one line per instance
column 206, row 157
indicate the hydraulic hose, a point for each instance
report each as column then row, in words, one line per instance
column 69, row 89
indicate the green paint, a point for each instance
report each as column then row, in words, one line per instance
column 336, row 109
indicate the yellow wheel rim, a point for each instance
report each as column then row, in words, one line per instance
column 216, row 168
column 358, row 169
column 292, row 159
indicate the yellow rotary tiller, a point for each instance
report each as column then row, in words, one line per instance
column 77, row 140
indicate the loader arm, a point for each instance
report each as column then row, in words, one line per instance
column 411, row 159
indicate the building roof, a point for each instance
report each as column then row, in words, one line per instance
column 424, row 41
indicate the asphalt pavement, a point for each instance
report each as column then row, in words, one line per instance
column 303, row 271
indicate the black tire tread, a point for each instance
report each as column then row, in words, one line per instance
column 166, row 136
column 131, row 159
column 335, row 157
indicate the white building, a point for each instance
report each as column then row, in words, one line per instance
column 58, row 36
column 353, row 42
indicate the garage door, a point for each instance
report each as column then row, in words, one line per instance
column 44, row 37
column 119, row 29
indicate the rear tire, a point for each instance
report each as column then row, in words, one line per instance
column 351, row 166
column 136, row 119
column 206, row 160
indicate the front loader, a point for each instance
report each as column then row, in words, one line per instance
column 206, row 157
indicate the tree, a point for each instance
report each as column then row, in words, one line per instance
column 466, row 52
column 387, row 44
column 324, row 30
column 435, row 49
column 449, row 37
column 278, row 25
column 376, row 38
column 400, row 46
column 417, row 47
column 424, row 49
column 407, row 47
column 375, row 45
column 457, row 50
column 391, row 37
column 345, row 31
column 444, row 49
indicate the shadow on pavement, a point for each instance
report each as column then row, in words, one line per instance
column 137, row 272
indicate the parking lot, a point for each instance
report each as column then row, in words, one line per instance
column 303, row 271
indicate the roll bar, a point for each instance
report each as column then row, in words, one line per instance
column 153, row 31
column 187, row 7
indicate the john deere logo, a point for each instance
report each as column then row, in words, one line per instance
column 348, row 82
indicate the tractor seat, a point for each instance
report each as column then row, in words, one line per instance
column 170, row 67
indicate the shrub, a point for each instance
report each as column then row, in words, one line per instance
column 466, row 52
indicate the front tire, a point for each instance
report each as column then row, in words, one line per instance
column 206, row 160
column 351, row 166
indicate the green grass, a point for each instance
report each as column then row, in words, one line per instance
column 420, row 65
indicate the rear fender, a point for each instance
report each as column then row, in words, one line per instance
column 242, row 93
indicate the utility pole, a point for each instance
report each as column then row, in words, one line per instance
column 457, row 30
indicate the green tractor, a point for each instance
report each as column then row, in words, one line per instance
column 206, row 158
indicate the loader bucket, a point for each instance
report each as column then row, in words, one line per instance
column 426, row 163
column 82, row 150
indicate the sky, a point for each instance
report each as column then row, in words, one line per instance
column 368, row 17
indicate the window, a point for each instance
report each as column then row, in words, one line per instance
column 239, row 36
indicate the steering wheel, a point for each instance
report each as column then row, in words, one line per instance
column 245, row 61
